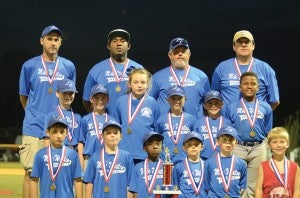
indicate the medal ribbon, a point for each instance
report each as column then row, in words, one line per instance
column 211, row 138
column 113, row 68
column 131, row 118
column 184, row 77
column 47, row 72
column 285, row 181
column 175, row 140
column 155, row 174
column 226, row 185
column 236, row 64
column 251, row 122
column 96, row 125
column 62, row 159
column 61, row 113
column 107, row 177
column 187, row 167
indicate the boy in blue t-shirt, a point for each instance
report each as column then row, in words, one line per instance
column 56, row 166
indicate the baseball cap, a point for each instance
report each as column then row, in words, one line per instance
column 111, row 123
column 66, row 85
column 227, row 130
column 178, row 42
column 57, row 119
column 212, row 94
column 51, row 28
column 150, row 135
column 118, row 32
column 241, row 34
column 192, row 134
column 98, row 88
column 175, row 90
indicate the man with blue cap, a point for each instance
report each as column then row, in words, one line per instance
column 37, row 87
column 194, row 81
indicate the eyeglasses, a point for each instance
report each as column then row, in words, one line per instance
column 241, row 42
column 178, row 42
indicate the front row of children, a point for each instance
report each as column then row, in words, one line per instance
column 110, row 172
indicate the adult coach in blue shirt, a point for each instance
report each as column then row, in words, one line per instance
column 37, row 87
column 226, row 75
column 194, row 81
column 111, row 72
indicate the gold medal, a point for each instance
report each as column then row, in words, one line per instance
column 252, row 134
column 52, row 187
column 118, row 88
column 157, row 187
column 129, row 131
column 106, row 189
column 175, row 150
column 50, row 90
column 175, row 188
column 226, row 196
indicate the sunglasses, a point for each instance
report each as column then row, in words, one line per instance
column 179, row 42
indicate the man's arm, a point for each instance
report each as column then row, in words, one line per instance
column 23, row 99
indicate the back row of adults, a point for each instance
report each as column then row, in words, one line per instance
column 40, row 75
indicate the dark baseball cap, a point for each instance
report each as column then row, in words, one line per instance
column 192, row 134
column 150, row 135
column 98, row 88
column 51, row 28
column 175, row 90
column 66, row 85
column 57, row 120
column 176, row 42
column 227, row 130
column 212, row 94
column 118, row 33
column 111, row 123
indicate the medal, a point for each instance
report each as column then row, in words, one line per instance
column 252, row 134
column 226, row 196
column 50, row 91
column 52, row 187
column 175, row 150
column 129, row 131
column 157, row 187
column 118, row 88
column 106, row 189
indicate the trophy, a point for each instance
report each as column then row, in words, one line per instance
column 167, row 187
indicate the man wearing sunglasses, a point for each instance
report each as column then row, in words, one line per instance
column 226, row 75
column 194, row 81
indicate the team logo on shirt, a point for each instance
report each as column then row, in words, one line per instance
column 44, row 77
column 242, row 114
column 146, row 112
column 236, row 175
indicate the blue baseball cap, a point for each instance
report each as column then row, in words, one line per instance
column 192, row 134
column 212, row 94
column 176, row 42
column 98, row 88
column 111, row 123
column 150, row 135
column 227, row 130
column 56, row 120
column 66, row 85
column 118, row 33
column 175, row 90
column 51, row 28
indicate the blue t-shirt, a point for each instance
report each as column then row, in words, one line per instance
column 195, row 86
column 226, row 80
column 213, row 180
column 34, row 83
column 73, row 129
column 121, row 176
column 174, row 142
column 70, row 170
column 142, row 123
column 101, row 73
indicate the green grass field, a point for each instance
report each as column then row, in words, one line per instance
column 11, row 179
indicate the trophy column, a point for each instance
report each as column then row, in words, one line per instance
column 168, row 187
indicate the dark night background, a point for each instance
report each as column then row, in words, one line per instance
column 208, row 25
